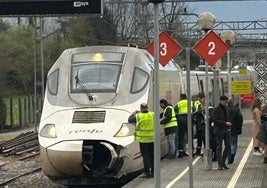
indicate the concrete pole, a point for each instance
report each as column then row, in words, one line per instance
column 216, row 83
column 229, row 74
column 207, row 152
column 157, row 177
column 42, row 55
column 35, row 77
column 189, row 122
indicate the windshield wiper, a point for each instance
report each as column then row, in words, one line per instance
column 80, row 83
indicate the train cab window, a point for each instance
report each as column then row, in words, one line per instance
column 96, row 72
column 96, row 78
column 52, row 82
column 140, row 80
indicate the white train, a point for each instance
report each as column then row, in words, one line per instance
column 198, row 83
column 91, row 91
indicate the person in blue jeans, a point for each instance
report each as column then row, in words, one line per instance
column 236, row 129
column 168, row 120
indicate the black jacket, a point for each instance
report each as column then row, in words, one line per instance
column 236, row 120
column 220, row 120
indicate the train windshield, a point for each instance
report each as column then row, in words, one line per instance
column 96, row 72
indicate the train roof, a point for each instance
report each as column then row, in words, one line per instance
column 171, row 66
column 194, row 72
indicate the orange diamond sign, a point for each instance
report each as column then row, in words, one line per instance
column 168, row 48
column 211, row 47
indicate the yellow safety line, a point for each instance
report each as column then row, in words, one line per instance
column 241, row 166
column 181, row 174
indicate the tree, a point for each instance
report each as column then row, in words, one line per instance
column 88, row 30
column 134, row 19
column 16, row 58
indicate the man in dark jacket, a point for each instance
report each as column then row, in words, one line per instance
column 168, row 119
column 222, row 131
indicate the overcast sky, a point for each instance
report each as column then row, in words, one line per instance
column 231, row 10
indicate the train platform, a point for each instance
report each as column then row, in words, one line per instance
column 247, row 170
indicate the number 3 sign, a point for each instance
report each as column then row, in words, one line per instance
column 211, row 47
column 168, row 48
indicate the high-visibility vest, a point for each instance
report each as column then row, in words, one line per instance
column 196, row 105
column 144, row 131
column 182, row 107
column 173, row 121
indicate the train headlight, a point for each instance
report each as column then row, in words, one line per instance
column 49, row 131
column 127, row 129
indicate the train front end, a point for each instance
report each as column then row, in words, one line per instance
column 84, row 134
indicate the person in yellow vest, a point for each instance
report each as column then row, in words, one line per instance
column 168, row 120
column 144, row 134
column 181, row 115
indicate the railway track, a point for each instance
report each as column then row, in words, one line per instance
column 23, row 143
column 19, row 157
column 15, row 168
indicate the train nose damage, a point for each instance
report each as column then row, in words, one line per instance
column 101, row 159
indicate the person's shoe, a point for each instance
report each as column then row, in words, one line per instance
column 146, row 176
column 180, row 155
column 231, row 159
column 185, row 154
column 170, row 156
column 225, row 167
column 257, row 153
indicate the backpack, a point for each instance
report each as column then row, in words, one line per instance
column 239, row 118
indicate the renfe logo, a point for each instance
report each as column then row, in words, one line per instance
column 90, row 131
column 80, row 4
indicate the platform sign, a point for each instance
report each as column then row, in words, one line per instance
column 260, row 86
column 241, row 87
column 211, row 47
column 247, row 98
column 50, row 7
column 261, row 68
column 168, row 48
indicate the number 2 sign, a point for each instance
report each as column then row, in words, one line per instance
column 168, row 48
column 211, row 47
